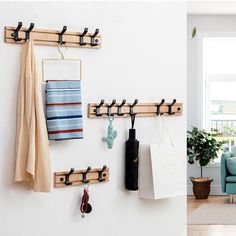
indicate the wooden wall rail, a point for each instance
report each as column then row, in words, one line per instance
column 141, row 109
column 76, row 177
column 50, row 37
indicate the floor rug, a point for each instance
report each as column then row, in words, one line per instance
column 213, row 214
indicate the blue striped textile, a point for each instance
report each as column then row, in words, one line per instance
column 64, row 110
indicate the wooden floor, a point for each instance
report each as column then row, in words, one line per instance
column 209, row 230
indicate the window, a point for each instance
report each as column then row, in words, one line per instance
column 219, row 88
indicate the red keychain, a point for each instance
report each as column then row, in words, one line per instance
column 85, row 207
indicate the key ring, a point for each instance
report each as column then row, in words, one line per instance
column 86, row 185
column 110, row 118
column 85, row 207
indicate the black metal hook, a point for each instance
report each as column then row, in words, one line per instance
column 159, row 107
column 84, row 180
column 67, row 177
column 170, row 112
column 94, row 42
column 60, row 35
column 97, row 109
column 101, row 174
column 27, row 32
column 15, row 34
column 131, row 111
column 81, row 38
column 110, row 106
column 119, row 108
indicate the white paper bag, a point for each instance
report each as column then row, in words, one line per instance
column 159, row 164
column 146, row 187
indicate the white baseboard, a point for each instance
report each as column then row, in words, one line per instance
column 215, row 190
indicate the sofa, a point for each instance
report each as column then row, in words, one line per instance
column 228, row 173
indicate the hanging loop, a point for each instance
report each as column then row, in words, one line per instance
column 110, row 118
column 170, row 112
column 27, row 32
column 110, row 106
column 81, row 38
column 159, row 107
column 101, row 175
column 132, row 121
column 131, row 111
column 84, row 180
column 94, row 42
column 67, row 177
column 119, row 108
column 60, row 35
column 97, row 109
column 15, row 34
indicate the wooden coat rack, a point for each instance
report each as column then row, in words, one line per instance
column 79, row 177
column 52, row 37
column 139, row 109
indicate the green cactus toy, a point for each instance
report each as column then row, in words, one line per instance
column 111, row 133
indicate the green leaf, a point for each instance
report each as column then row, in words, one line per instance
column 204, row 162
column 202, row 146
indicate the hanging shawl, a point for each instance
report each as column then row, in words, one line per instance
column 32, row 145
column 64, row 111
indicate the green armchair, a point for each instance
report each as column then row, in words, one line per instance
column 228, row 173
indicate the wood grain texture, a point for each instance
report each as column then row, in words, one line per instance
column 142, row 109
column 77, row 176
column 50, row 37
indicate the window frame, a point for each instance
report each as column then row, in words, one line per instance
column 203, row 84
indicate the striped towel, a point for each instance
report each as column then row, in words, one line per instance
column 64, row 111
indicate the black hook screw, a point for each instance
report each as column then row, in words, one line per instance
column 15, row 34
column 101, row 174
column 131, row 111
column 94, row 42
column 119, row 108
column 27, row 32
column 110, row 106
column 60, row 35
column 159, row 107
column 81, row 39
column 67, row 177
column 170, row 112
column 84, row 180
column 97, row 109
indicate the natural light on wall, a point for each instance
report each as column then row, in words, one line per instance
column 219, row 72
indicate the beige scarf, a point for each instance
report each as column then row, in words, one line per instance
column 32, row 145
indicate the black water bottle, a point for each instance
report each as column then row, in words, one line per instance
column 131, row 159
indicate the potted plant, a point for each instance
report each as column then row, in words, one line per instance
column 202, row 147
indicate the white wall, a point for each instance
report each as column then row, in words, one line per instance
column 211, row 7
column 129, row 65
column 204, row 23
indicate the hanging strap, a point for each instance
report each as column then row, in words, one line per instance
column 165, row 128
column 110, row 118
column 132, row 121
column 155, row 131
column 162, row 128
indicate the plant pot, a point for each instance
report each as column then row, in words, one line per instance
column 201, row 187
